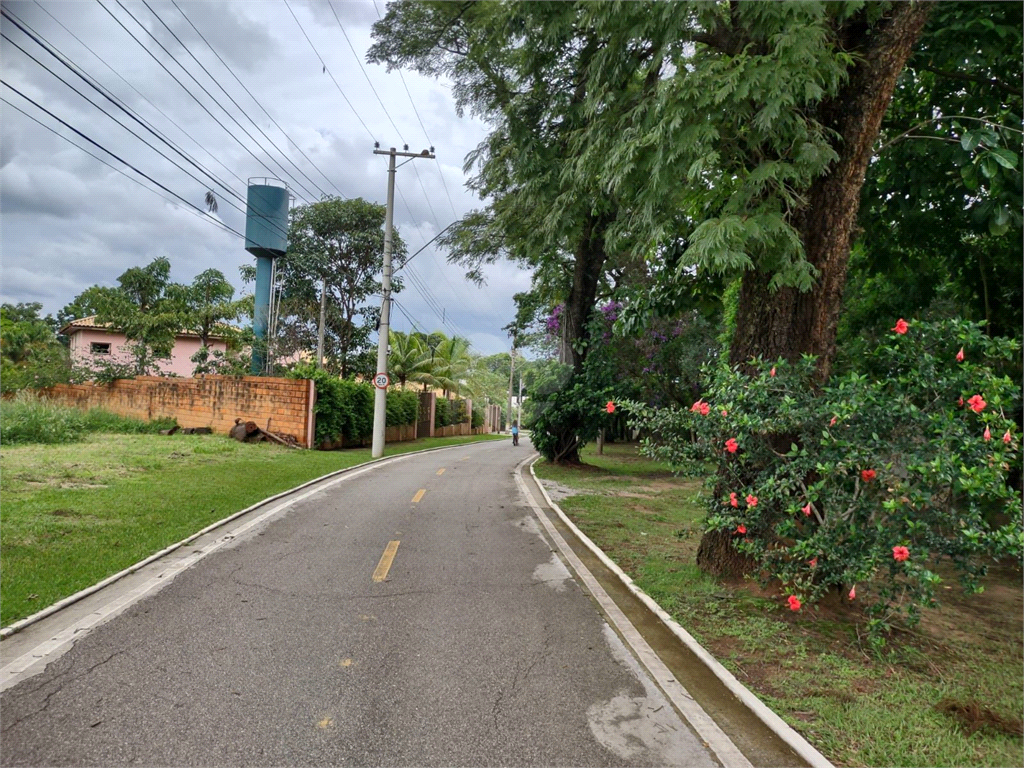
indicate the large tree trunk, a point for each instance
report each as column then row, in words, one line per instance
column 587, row 270
column 788, row 323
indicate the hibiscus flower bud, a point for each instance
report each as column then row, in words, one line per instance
column 813, row 562
column 960, row 355
column 833, row 422
column 725, row 412
column 772, row 372
column 987, row 436
column 806, row 510
column 1007, row 438
column 853, row 592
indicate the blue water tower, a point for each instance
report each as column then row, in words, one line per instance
column 266, row 238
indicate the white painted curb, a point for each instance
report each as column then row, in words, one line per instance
column 783, row 730
column 72, row 599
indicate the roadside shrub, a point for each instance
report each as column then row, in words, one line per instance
column 403, row 407
column 442, row 413
column 343, row 407
column 862, row 486
column 478, row 417
column 28, row 419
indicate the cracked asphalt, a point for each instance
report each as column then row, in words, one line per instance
column 478, row 648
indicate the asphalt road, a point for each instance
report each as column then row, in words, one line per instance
column 292, row 646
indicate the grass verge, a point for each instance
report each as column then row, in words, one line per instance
column 946, row 693
column 75, row 514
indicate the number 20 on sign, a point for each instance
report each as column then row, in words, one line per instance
column 380, row 381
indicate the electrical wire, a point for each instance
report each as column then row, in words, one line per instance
column 203, row 213
column 257, row 101
column 239, row 107
column 182, row 85
column 127, row 128
column 420, row 119
column 328, row 71
column 136, row 90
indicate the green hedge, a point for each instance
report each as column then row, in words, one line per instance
column 442, row 413
column 403, row 407
column 478, row 416
column 345, row 407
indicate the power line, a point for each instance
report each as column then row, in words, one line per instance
column 239, row 107
column 91, row 82
column 118, row 122
column 182, row 85
column 420, row 119
column 116, row 157
column 271, row 117
column 136, row 90
column 328, row 71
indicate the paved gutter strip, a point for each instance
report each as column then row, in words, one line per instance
column 72, row 599
column 720, row 745
column 776, row 724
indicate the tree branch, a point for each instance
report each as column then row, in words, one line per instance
column 968, row 78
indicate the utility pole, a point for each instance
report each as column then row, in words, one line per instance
column 511, row 372
column 520, row 409
column 380, row 398
column 320, row 330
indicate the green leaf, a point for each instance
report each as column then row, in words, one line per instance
column 1004, row 157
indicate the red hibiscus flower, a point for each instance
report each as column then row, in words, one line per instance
column 960, row 355
column 696, row 407
column 731, row 445
column 901, row 326
column 867, row 475
column 751, row 500
column 987, row 436
column 741, row 528
column 733, row 500
column 794, row 603
column 806, row 510
column 976, row 403
column 813, row 562
column 705, row 409
column 725, row 412
column 960, row 402
column 1007, row 438
column 610, row 407
column 899, row 554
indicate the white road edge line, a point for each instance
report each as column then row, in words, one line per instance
column 782, row 729
column 38, row 655
column 707, row 729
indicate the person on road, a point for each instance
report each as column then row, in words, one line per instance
column 515, row 433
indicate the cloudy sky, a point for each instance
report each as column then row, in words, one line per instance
column 68, row 221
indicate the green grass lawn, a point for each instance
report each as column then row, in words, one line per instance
column 73, row 514
column 857, row 707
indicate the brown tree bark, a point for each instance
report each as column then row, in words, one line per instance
column 787, row 323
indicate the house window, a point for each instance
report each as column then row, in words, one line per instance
column 100, row 348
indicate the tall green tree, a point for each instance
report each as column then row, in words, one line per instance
column 408, row 359
column 522, row 67
column 30, row 353
column 340, row 243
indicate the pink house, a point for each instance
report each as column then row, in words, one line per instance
column 91, row 342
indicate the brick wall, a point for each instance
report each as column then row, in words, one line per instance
column 205, row 401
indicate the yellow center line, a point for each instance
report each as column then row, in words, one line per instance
column 386, row 559
column 441, row 471
column 419, row 495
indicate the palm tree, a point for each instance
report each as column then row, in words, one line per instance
column 453, row 366
column 409, row 359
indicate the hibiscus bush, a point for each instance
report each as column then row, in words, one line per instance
column 862, row 486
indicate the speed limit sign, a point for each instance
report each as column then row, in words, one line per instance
column 381, row 381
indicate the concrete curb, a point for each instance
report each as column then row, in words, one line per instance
column 82, row 594
column 783, row 730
